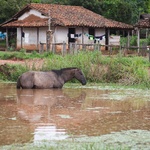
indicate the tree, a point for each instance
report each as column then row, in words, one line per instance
column 10, row 7
column 93, row 5
column 127, row 11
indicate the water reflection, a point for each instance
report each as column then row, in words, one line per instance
column 35, row 107
column 36, row 104
column 53, row 114
column 47, row 133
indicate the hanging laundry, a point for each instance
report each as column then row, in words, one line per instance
column 77, row 35
column 91, row 37
column 99, row 37
column 72, row 36
column 86, row 34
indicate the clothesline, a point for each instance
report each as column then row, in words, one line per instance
column 91, row 37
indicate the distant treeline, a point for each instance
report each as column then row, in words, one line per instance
column 126, row 11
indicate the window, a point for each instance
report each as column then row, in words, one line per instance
column 92, row 31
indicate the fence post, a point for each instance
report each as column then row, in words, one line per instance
column 41, row 48
column 110, row 49
column 144, row 49
column 94, row 47
column 149, row 53
column 53, row 48
column 64, row 48
column 75, row 48
column 99, row 47
column 120, row 49
column 48, row 40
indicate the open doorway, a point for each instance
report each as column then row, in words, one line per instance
column 71, row 34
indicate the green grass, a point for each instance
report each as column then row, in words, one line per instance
column 96, row 67
column 23, row 55
column 2, row 43
column 65, row 146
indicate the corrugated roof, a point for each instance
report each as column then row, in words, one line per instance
column 64, row 15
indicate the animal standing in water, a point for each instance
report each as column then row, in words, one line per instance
column 49, row 79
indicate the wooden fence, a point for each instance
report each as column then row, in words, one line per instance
column 73, row 48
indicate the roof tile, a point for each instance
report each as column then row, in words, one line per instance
column 65, row 15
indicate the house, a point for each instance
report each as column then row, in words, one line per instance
column 143, row 23
column 69, row 24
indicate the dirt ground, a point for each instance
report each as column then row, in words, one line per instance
column 38, row 63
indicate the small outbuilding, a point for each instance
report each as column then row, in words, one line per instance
column 143, row 23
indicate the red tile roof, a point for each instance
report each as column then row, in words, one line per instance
column 64, row 15
column 143, row 23
column 30, row 21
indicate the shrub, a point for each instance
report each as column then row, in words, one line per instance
column 96, row 67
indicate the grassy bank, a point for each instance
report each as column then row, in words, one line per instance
column 65, row 146
column 96, row 67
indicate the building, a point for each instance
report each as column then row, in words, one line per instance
column 69, row 24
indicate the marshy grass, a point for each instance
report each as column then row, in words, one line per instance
column 96, row 67
column 65, row 146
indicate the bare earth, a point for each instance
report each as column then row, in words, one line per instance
column 37, row 63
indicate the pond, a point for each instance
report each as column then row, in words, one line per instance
column 105, row 114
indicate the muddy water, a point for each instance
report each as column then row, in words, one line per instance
column 35, row 115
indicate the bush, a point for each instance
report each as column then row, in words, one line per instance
column 96, row 67
column 11, row 72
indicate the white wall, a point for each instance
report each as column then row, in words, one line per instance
column 85, row 38
column 60, row 35
column 32, row 11
column 42, row 34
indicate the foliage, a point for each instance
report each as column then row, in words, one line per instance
column 148, row 40
column 66, row 145
column 133, row 41
column 2, row 43
column 128, row 71
column 23, row 55
column 96, row 67
column 11, row 72
column 7, row 10
column 93, row 5
column 125, row 10
column 120, row 10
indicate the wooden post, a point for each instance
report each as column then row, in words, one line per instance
column 53, row 48
column 64, row 48
column 107, row 42
column 138, row 39
column 49, row 35
column 99, row 47
column 37, row 44
column 75, row 48
column 128, row 41
column 41, row 48
column 149, row 54
column 71, row 48
column 146, row 33
column 48, row 40
column 21, row 37
column 82, row 36
column 7, row 44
